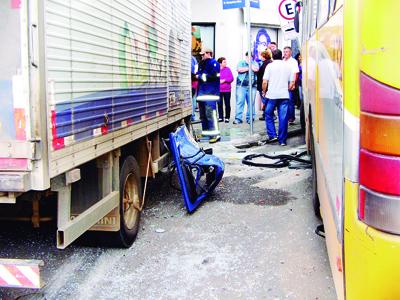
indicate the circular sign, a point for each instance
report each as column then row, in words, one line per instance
column 287, row 9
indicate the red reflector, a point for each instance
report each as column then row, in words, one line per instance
column 380, row 173
column 361, row 206
column 378, row 98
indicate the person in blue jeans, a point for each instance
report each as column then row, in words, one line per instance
column 278, row 79
column 288, row 59
column 242, row 89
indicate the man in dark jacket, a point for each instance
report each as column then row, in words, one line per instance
column 208, row 94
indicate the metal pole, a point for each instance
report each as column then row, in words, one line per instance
column 250, row 64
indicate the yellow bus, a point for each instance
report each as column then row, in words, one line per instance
column 351, row 87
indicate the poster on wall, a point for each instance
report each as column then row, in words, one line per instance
column 261, row 37
column 202, row 36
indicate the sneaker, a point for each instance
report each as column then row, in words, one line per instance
column 237, row 122
column 226, row 120
column 220, row 120
column 214, row 139
column 283, row 144
column 272, row 140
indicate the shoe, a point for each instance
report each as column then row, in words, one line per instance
column 214, row 139
column 237, row 122
column 283, row 144
column 220, row 120
column 226, row 120
column 272, row 140
column 248, row 121
column 292, row 123
column 262, row 118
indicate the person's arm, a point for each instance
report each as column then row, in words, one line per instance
column 292, row 82
column 295, row 71
column 243, row 69
column 229, row 78
column 291, row 86
column 266, row 78
column 264, row 86
column 255, row 67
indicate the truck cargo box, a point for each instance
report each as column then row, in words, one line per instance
column 81, row 78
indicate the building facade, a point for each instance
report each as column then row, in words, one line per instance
column 225, row 30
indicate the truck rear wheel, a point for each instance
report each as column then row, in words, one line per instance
column 131, row 199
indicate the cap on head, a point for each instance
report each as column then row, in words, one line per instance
column 205, row 50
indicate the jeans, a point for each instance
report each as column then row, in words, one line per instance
column 242, row 95
column 193, row 104
column 291, row 113
column 282, row 105
column 207, row 112
column 224, row 98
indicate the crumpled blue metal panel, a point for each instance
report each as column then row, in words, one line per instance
column 199, row 173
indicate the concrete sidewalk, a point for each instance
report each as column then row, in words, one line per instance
column 239, row 134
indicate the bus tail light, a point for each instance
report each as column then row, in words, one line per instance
column 380, row 211
column 379, row 198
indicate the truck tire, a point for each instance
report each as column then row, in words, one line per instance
column 131, row 198
column 314, row 191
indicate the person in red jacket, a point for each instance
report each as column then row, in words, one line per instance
column 226, row 78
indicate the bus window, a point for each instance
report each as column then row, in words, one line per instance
column 323, row 12
column 332, row 7
column 338, row 4
column 312, row 16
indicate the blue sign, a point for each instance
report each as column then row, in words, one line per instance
column 255, row 3
column 228, row 4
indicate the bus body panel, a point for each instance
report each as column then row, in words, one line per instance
column 324, row 106
column 379, row 41
column 372, row 261
column 372, row 257
column 369, row 258
column 330, row 113
column 334, row 247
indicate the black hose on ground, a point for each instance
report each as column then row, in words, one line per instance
column 282, row 161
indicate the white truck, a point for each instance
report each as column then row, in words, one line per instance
column 87, row 90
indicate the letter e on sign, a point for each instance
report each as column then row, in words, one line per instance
column 287, row 9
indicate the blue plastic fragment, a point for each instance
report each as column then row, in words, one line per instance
column 199, row 173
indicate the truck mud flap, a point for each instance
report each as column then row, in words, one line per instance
column 198, row 172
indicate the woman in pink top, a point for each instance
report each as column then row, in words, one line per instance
column 226, row 78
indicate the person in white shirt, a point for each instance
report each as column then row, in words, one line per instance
column 288, row 59
column 277, row 81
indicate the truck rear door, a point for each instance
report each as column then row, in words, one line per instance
column 15, row 149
